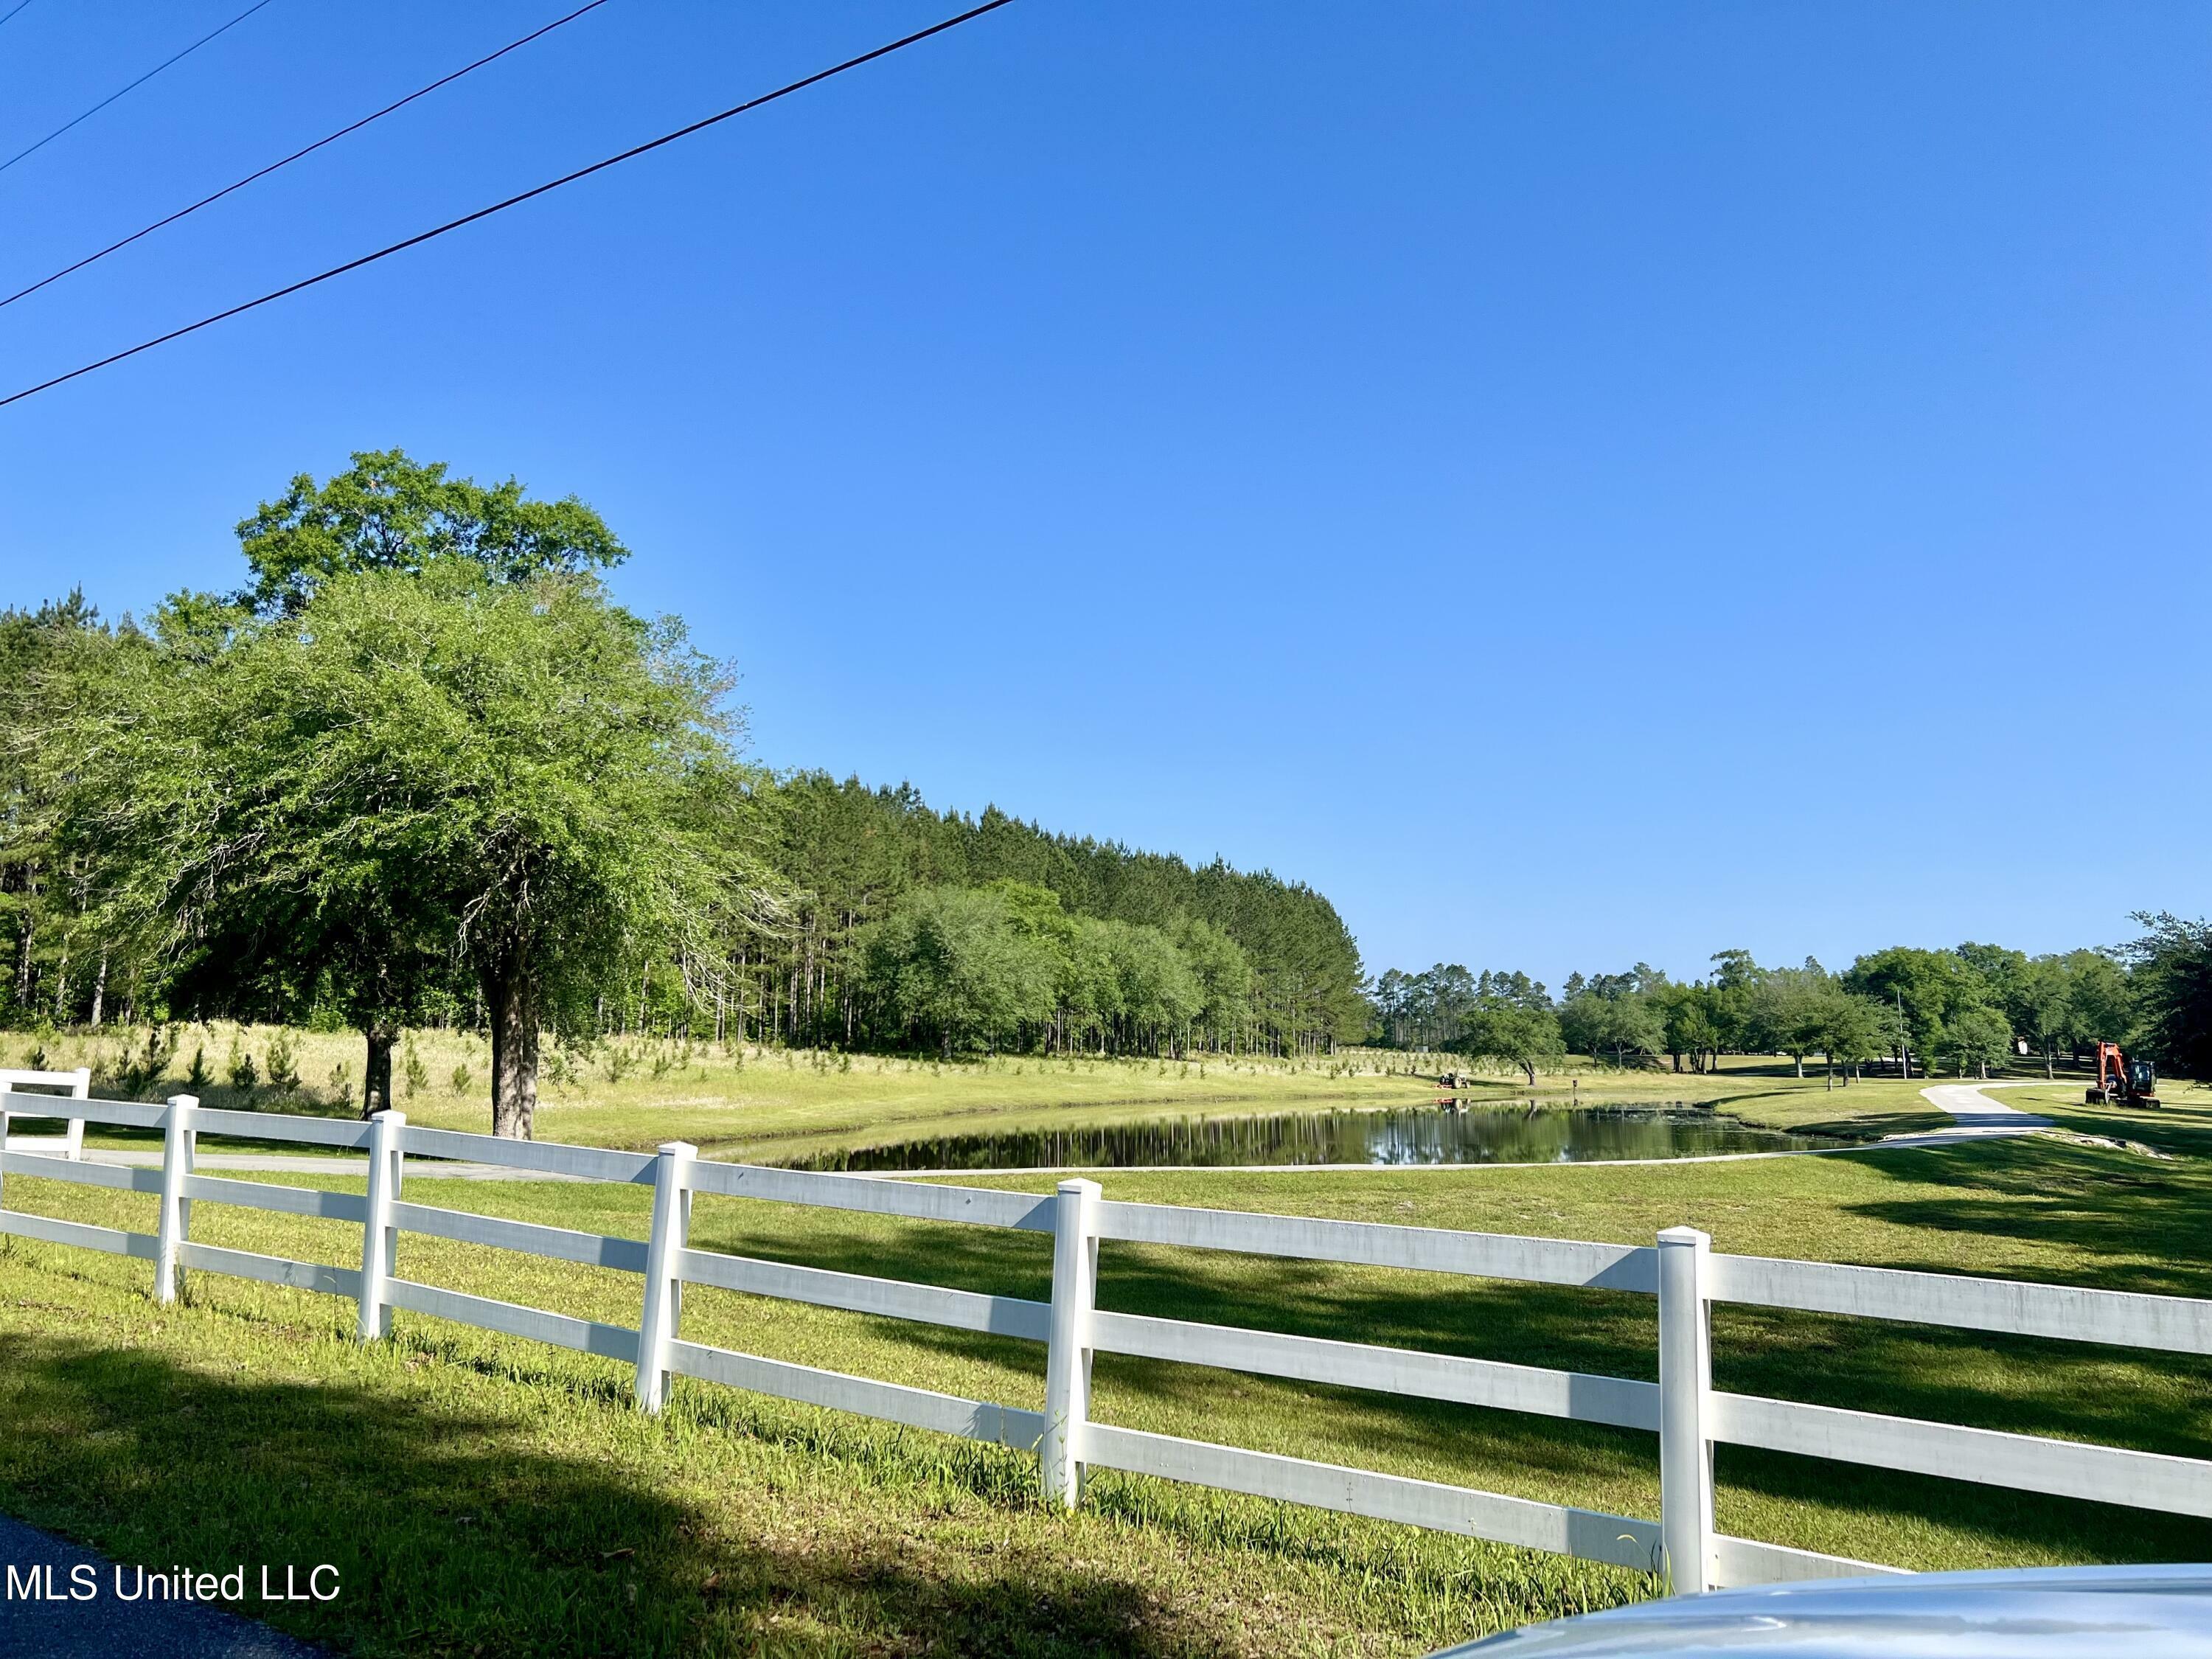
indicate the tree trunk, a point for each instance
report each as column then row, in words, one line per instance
column 100, row 990
column 1799, row 1059
column 1530, row 1066
column 510, row 993
column 376, row 1075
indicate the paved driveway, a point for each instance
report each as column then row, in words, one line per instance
column 106, row 1628
column 1973, row 1108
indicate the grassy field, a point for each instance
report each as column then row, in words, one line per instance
column 478, row 1491
column 772, row 1105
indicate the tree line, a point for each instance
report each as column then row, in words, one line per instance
column 421, row 768
column 1033, row 938
column 1955, row 1011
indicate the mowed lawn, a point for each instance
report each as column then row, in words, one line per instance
column 479, row 1489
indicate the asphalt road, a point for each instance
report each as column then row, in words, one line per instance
column 107, row 1628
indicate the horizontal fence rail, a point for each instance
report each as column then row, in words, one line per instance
column 1681, row 1272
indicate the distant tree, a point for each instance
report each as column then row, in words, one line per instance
column 1691, row 1030
column 2042, row 1007
column 2100, row 1000
column 388, row 513
column 2003, row 975
column 1731, row 1005
column 1224, row 973
column 1513, row 1033
column 1159, row 994
column 1976, row 1035
column 2173, row 969
column 1929, row 986
column 956, row 968
column 1785, row 1011
column 1622, row 1026
column 1853, row 1029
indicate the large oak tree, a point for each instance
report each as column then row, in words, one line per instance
column 403, row 771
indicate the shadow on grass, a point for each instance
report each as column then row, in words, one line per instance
column 468, row 1533
column 2133, row 1222
column 2149, row 1402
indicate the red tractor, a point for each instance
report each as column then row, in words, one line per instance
column 2121, row 1081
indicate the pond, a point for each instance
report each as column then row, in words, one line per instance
column 1517, row 1133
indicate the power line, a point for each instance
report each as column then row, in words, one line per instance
column 499, row 207
column 140, row 81
column 12, row 10
column 228, row 189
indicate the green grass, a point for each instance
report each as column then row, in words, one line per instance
column 485, row 1496
column 821, row 1535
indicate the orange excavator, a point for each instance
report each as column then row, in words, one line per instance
column 2121, row 1081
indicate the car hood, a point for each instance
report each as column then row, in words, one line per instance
column 2065, row 1612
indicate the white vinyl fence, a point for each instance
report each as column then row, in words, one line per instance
column 1681, row 1270
column 76, row 1086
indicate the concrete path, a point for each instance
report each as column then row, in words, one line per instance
column 1977, row 1114
column 107, row 1628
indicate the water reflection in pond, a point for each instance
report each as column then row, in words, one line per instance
column 1524, row 1133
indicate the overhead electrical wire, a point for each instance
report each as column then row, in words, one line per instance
column 422, row 92
column 416, row 241
column 140, row 81
column 12, row 10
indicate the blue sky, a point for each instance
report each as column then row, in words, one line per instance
column 1575, row 483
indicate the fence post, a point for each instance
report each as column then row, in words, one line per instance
column 379, row 1237
column 1068, row 1359
column 82, row 1090
column 664, row 1289
column 1685, row 1382
column 178, row 1144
